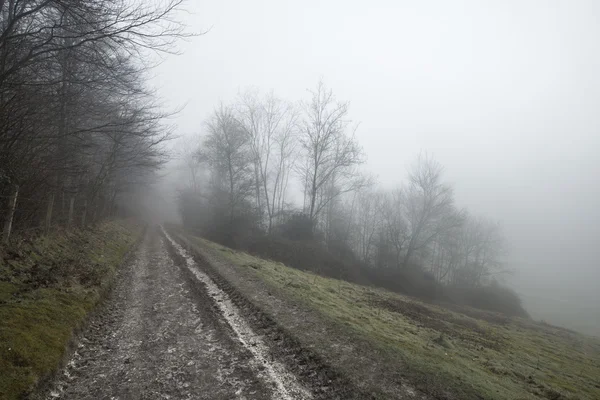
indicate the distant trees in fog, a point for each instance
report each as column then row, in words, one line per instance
column 77, row 123
column 255, row 146
column 271, row 128
column 419, row 224
column 410, row 226
column 330, row 155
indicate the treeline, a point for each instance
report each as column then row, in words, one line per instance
column 78, row 124
column 413, row 239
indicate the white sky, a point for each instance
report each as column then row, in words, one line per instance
column 505, row 94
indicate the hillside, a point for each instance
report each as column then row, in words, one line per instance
column 48, row 286
column 387, row 340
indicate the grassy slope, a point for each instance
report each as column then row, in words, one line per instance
column 47, row 286
column 474, row 354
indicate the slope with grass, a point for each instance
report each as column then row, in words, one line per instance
column 458, row 353
column 48, row 285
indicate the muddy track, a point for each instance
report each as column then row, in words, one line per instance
column 313, row 372
column 167, row 331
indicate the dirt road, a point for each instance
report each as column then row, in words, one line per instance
column 164, row 335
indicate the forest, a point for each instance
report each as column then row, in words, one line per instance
column 79, row 124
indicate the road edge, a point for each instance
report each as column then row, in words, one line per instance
column 45, row 383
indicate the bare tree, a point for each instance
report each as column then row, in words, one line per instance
column 446, row 254
column 285, row 161
column 430, row 208
column 271, row 126
column 250, row 114
column 368, row 216
column 75, row 119
column 226, row 150
column 394, row 229
column 482, row 246
column 330, row 154
column 43, row 28
column 187, row 154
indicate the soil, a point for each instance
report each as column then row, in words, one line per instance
column 164, row 333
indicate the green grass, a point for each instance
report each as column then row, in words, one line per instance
column 471, row 354
column 47, row 286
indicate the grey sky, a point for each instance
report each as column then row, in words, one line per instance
column 505, row 94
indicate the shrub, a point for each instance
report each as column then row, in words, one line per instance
column 298, row 226
column 411, row 281
column 492, row 297
column 305, row 255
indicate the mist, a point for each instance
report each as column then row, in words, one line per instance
column 503, row 95
column 315, row 200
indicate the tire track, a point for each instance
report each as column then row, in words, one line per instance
column 158, row 337
column 286, row 385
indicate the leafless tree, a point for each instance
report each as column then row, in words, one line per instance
column 430, row 208
column 75, row 119
column 446, row 254
column 226, row 150
column 394, row 229
column 285, row 161
column 368, row 220
column 482, row 247
column 331, row 155
column 43, row 28
column 187, row 154
column 271, row 125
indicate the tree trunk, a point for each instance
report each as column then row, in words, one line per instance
column 104, row 208
column 407, row 256
column 12, row 203
column 231, row 195
column 63, row 207
column 95, row 205
column 49, row 212
column 71, row 209
column 84, row 214
column 257, row 191
column 113, row 200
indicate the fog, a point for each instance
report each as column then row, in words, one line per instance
column 504, row 94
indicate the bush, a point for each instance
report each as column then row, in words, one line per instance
column 411, row 281
column 305, row 255
column 298, row 226
column 315, row 257
column 493, row 297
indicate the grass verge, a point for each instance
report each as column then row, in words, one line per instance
column 460, row 353
column 47, row 287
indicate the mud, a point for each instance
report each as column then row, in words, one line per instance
column 162, row 336
column 285, row 384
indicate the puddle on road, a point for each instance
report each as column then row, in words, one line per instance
column 285, row 384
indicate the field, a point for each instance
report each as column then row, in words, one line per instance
column 47, row 286
column 460, row 353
